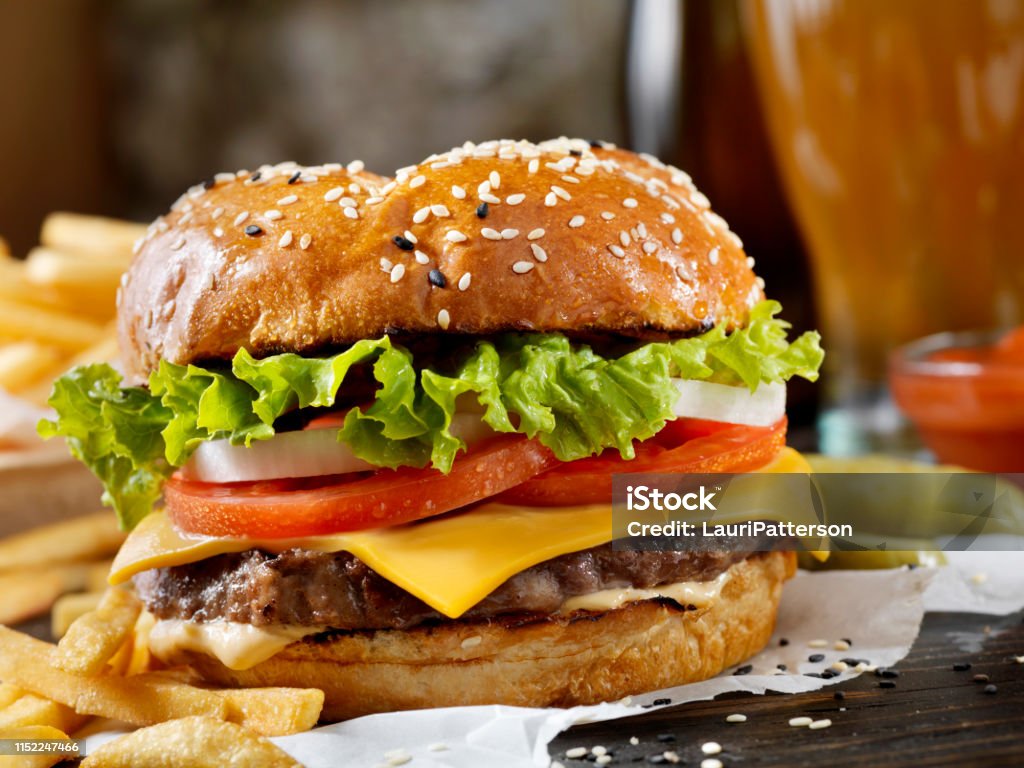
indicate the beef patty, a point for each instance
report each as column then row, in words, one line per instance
column 339, row 590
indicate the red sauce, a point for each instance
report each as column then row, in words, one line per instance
column 968, row 402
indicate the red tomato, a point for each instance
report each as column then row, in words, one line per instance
column 311, row 506
column 684, row 445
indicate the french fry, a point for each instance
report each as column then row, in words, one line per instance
column 103, row 351
column 24, row 321
column 91, row 235
column 95, row 280
column 23, row 363
column 141, row 660
column 36, row 710
column 5, row 249
column 33, row 591
column 9, row 694
column 153, row 697
column 37, row 759
column 190, row 742
column 67, row 608
column 81, row 538
column 93, row 639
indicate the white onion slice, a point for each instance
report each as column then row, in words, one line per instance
column 734, row 405
column 306, row 453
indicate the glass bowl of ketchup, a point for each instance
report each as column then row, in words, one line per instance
column 965, row 394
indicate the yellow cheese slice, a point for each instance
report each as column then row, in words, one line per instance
column 450, row 562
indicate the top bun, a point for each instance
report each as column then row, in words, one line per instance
column 567, row 235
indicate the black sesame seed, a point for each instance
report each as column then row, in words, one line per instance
column 595, row 144
column 783, row 641
column 575, row 153
column 437, row 278
column 660, row 702
column 850, row 661
column 886, row 684
column 481, row 210
column 782, row 667
column 814, row 658
column 746, row 669
column 847, row 640
column 665, row 737
column 961, row 666
column 885, row 672
column 990, row 689
column 980, row 678
column 209, row 183
column 828, row 674
column 295, row 177
column 404, row 243
column 813, row 674
column 256, row 176
column 839, row 695
column 253, row 231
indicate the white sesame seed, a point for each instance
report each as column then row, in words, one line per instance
column 515, row 199
column 535, row 234
column 624, row 238
column 464, row 281
column 650, row 247
column 641, row 229
column 629, row 202
column 444, row 319
column 355, row 166
column 577, row 221
column 979, row 578
column 410, row 237
column 634, row 740
column 495, row 178
column 398, row 760
column 454, row 236
column 736, row 718
column 710, row 762
column 840, row 666
column 304, row 241
column 598, row 751
column 351, row 212
column 713, row 258
column 397, row 272
column 819, row 643
column 374, row 200
column 421, row 257
column 483, row 188
column 841, row 645
column 571, row 179
column 550, row 199
column 509, row 234
column 538, row 253
column 616, row 251
column 819, row 724
column 437, row 747
column 533, row 166
column 576, row 752
column 286, row 239
column 677, row 235
column 607, row 215
column 700, row 199
column 711, row 748
column 385, row 264
column 216, row 213
column 522, row 267
column 458, row 192
column 603, row 760
column 288, row 200
column 800, row 722
column 490, row 234
column 560, row 192
column 487, row 197
column 1019, row 659
column 272, row 215
column 347, row 202
column 439, row 210
column 354, row 189
column 668, row 218
column 418, row 181
column 421, row 215
column 334, row 194
column 241, row 217
column 178, row 244
column 218, row 232
column 671, row 756
column 387, row 188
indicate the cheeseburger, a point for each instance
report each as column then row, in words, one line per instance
column 383, row 415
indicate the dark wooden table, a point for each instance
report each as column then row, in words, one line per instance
column 934, row 716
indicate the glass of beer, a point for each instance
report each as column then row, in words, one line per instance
column 898, row 126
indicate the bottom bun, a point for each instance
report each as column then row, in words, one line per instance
column 583, row 658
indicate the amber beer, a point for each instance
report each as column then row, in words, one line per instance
column 899, row 130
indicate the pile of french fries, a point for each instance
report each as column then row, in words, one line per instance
column 101, row 668
column 57, row 306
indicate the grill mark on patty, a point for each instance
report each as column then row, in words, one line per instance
column 338, row 590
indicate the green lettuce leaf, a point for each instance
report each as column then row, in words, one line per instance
column 561, row 393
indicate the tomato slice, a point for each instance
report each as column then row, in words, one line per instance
column 313, row 506
column 684, row 445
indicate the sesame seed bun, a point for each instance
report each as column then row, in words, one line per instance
column 558, row 661
column 567, row 235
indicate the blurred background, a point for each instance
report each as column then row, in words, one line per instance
column 842, row 140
